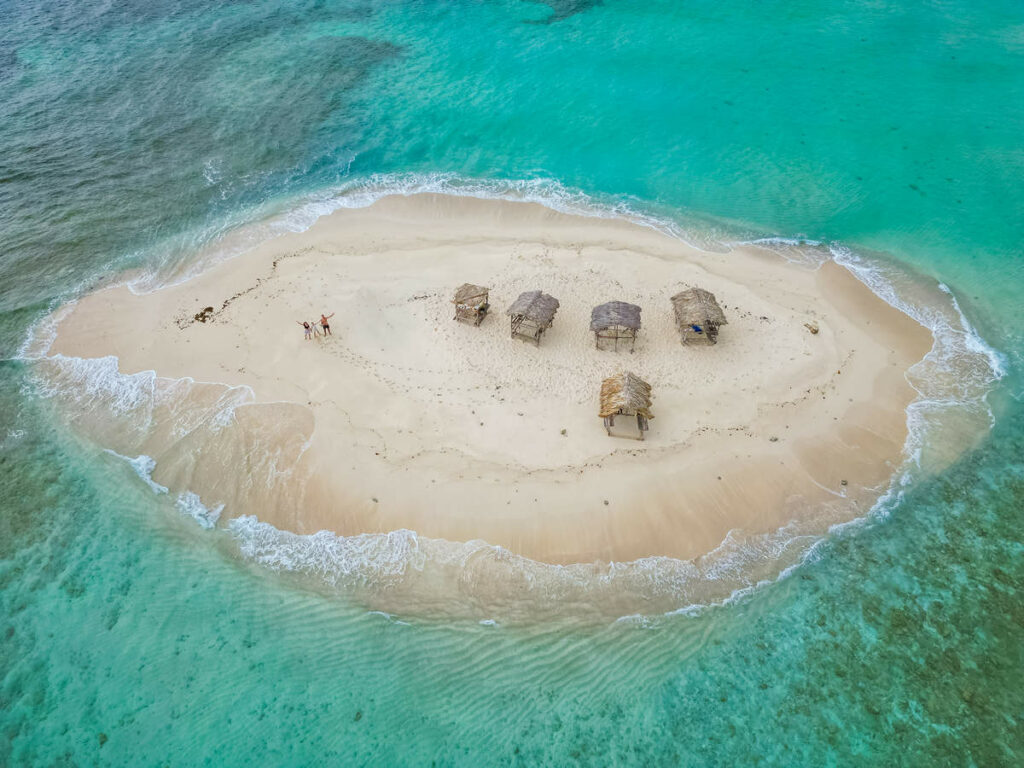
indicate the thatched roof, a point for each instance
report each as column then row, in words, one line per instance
column 696, row 306
column 626, row 391
column 615, row 313
column 470, row 294
column 535, row 306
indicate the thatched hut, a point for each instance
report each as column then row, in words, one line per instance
column 626, row 394
column 532, row 314
column 471, row 303
column 614, row 322
column 698, row 316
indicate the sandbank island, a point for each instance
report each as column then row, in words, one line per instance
column 404, row 418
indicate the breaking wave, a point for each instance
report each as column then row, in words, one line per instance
column 143, row 466
column 191, row 505
column 402, row 572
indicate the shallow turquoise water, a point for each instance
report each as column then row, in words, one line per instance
column 131, row 135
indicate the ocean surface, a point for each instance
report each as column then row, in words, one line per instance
column 140, row 140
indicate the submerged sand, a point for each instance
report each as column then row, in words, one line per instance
column 406, row 419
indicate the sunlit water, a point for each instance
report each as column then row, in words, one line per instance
column 135, row 137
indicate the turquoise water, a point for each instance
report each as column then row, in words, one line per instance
column 133, row 135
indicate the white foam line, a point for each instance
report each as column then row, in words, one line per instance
column 191, row 505
column 187, row 502
column 364, row 192
column 544, row 191
column 997, row 362
column 143, row 466
column 40, row 335
column 794, row 241
column 336, row 559
column 960, row 341
column 377, row 560
column 112, row 360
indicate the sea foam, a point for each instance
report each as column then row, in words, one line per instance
column 190, row 504
column 337, row 559
column 143, row 466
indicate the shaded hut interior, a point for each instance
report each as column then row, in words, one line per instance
column 471, row 303
column 626, row 394
column 698, row 316
column 614, row 323
column 532, row 314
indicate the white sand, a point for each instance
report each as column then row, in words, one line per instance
column 407, row 419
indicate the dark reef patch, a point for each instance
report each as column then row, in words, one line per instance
column 563, row 9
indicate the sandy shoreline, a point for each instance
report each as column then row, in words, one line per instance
column 406, row 419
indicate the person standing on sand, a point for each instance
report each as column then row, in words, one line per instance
column 307, row 328
column 324, row 324
column 316, row 329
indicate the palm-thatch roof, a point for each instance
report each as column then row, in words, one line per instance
column 695, row 306
column 535, row 306
column 469, row 294
column 615, row 313
column 625, row 391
